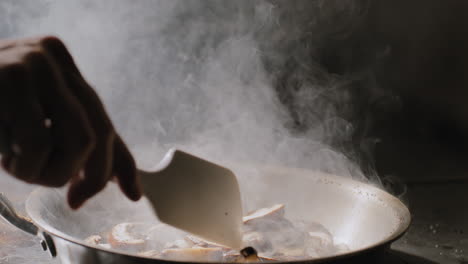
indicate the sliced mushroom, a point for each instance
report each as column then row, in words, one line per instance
column 128, row 236
column 270, row 212
column 180, row 243
column 93, row 240
column 150, row 254
column 105, row 245
column 198, row 242
column 193, row 254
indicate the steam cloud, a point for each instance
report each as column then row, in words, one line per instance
column 203, row 75
column 227, row 80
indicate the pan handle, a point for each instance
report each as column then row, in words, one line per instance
column 8, row 212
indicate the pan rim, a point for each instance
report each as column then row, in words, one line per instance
column 299, row 172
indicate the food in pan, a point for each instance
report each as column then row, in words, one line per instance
column 267, row 235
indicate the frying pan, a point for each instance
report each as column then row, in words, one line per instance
column 363, row 216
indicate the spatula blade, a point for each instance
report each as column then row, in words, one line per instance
column 196, row 196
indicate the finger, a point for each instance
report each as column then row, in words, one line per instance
column 96, row 175
column 14, row 43
column 57, row 49
column 98, row 169
column 24, row 118
column 124, row 169
column 72, row 134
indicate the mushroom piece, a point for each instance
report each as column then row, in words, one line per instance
column 266, row 231
column 180, row 243
column 105, row 245
column 270, row 212
column 150, row 254
column 93, row 240
column 128, row 236
column 198, row 242
column 193, row 254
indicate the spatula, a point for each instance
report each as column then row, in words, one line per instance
column 196, row 196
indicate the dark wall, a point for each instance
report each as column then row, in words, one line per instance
column 408, row 94
column 427, row 68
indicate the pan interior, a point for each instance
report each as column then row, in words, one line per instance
column 357, row 214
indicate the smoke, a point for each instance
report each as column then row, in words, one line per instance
column 232, row 81
column 205, row 76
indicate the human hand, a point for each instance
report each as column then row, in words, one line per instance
column 57, row 128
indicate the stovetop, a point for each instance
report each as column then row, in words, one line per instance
column 397, row 257
column 437, row 233
column 439, row 229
